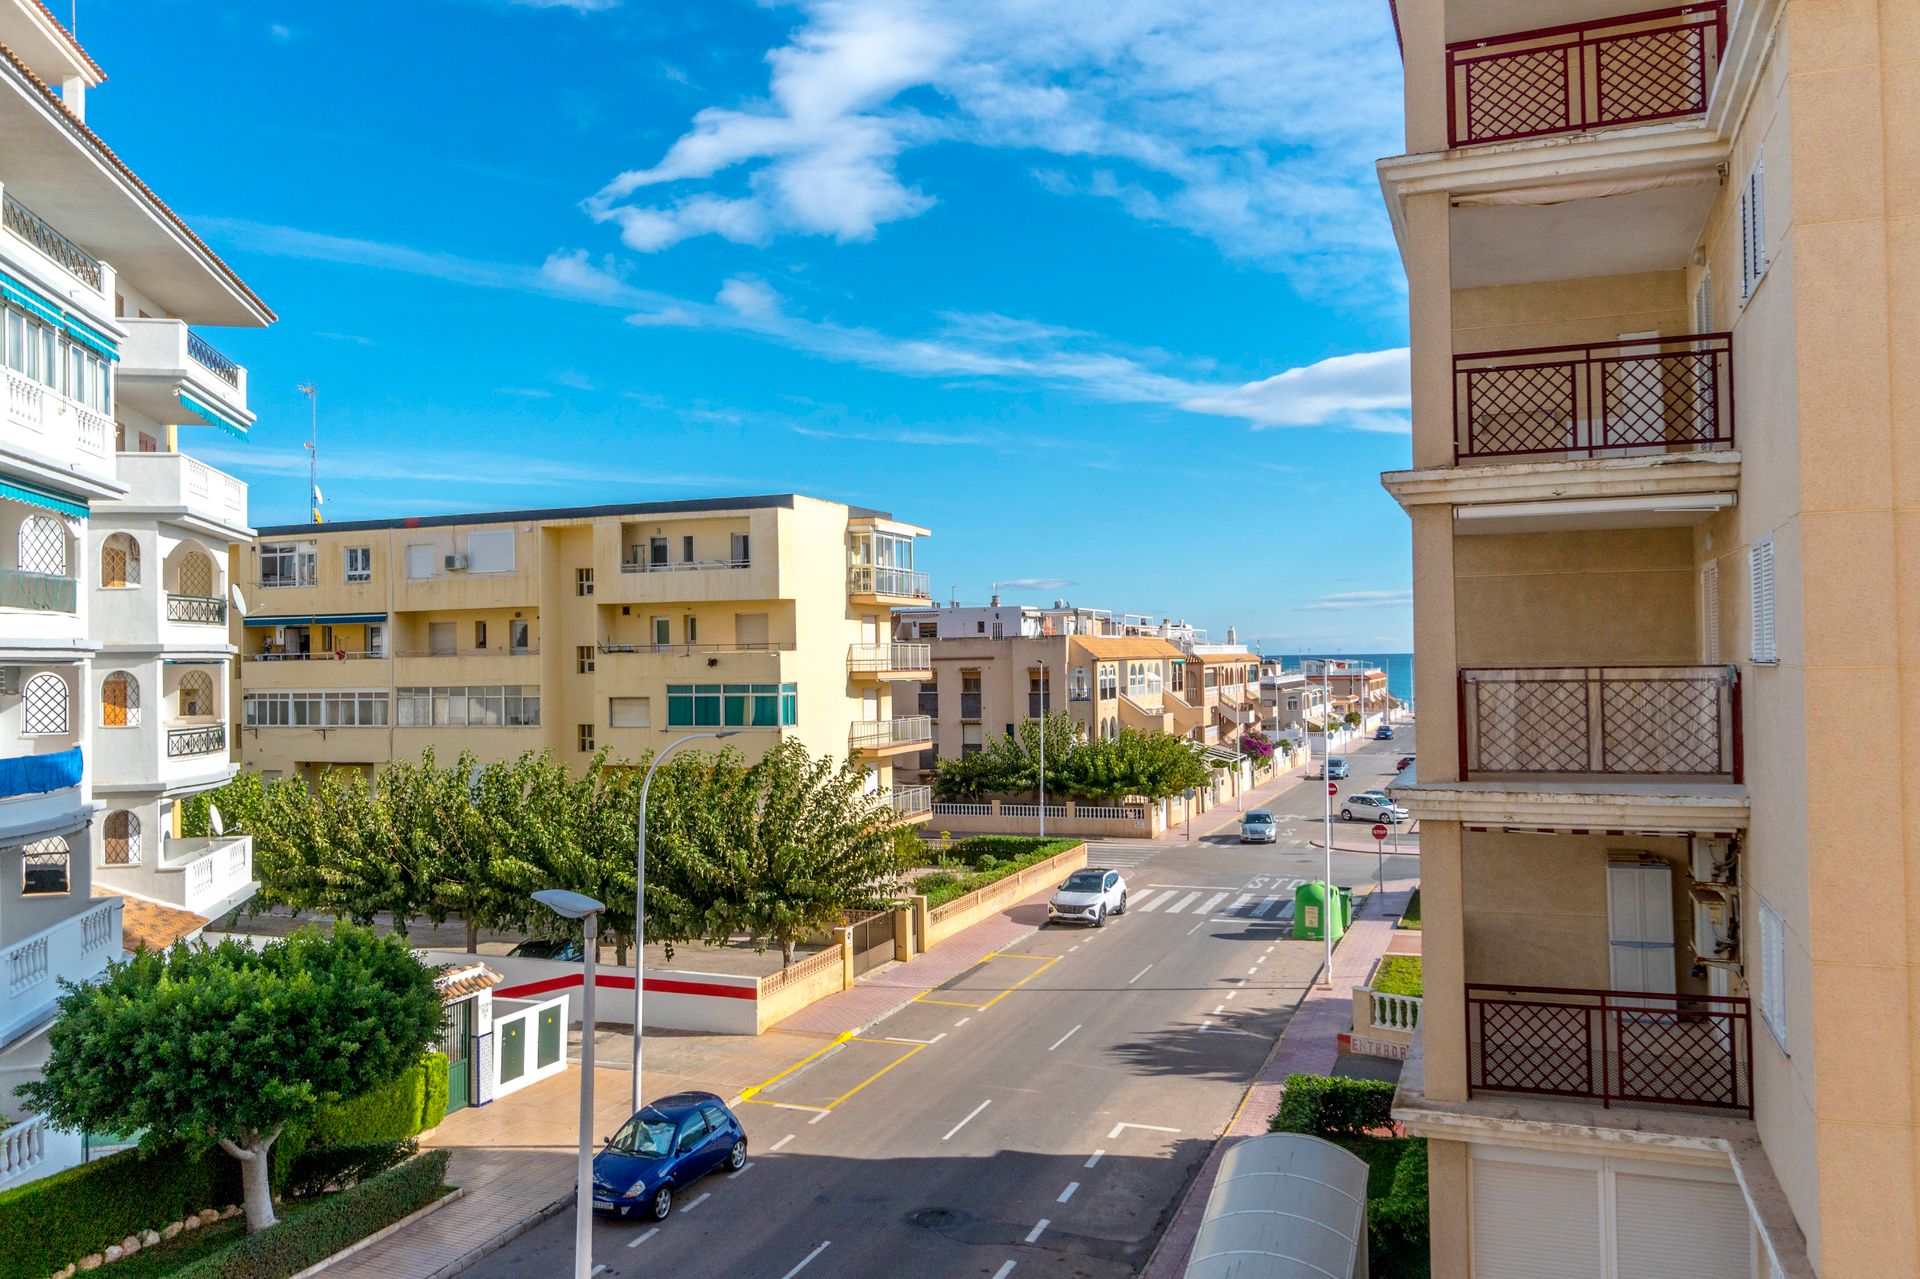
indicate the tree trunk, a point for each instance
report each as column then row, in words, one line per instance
column 619, row 951
column 473, row 933
column 254, row 1152
column 786, row 951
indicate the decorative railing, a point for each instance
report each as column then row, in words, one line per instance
column 1611, row 1046
column 38, row 774
column 207, row 357
column 35, row 230
column 877, row 659
column 1394, row 1012
column 1657, row 395
column 962, row 810
column 25, row 399
column 202, row 739
column 910, row 730
column 696, row 650
column 26, row 965
column 204, row 609
column 45, row 592
column 1033, row 810
column 872, row 579
column 1634, row 69
column 96, row 930
column 911, row 801
column 684, row 566
column 22, row 1148
column 1626, row 721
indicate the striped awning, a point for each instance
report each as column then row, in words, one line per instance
column 44, row 500
column 53, row 313
column 212, row 416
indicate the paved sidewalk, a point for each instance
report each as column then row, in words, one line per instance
column 1309, row 1045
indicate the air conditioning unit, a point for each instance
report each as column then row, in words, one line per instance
column 10, row 680
column 456, row 563
column 1716, row 902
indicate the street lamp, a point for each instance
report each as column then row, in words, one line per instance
column 640, row 900
column 1044, row 699
column 569, row 905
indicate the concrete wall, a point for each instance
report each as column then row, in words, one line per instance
column 715, row 1003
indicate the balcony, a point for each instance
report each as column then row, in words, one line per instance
column 912, row 803
column 199, row 610
column 188, row 489
column 1638, row 69
column 74, row 949
column 208, row 875
column 42, row 421
column 874, row 584
column 41, row 592
column 197, row 739
column 884, row 737
column 38, row 232
column 172, row 374
column 1611, row 1046
column 1611, row 723
column 890, row 661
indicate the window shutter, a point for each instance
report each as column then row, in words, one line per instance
column 1773, row 995
column 1680, row 1226
column 1753, row 229
column 1760, row 569
column 1534, row 1222
column 1710, row 612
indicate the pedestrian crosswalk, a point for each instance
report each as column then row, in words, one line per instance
column 1262, row 905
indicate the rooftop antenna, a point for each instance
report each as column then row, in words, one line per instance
column 313, row 449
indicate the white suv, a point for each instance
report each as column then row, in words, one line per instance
column 1088, row 897
column 1371, row 806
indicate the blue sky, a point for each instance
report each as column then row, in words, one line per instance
column 1102, row 294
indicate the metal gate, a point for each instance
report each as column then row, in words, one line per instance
column 872, row 938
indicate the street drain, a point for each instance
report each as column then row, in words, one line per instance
column 935, row 1218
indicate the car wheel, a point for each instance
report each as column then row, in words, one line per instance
column 1123, row 905
column 662, row 1203
column 737, row 1157
column 1345, row 816
column 1100, row 918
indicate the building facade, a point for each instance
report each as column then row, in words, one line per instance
column 114, row 658
column 618, row 628
column 1669, row 1022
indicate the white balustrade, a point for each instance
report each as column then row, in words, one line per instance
column 96, row 929
column 26, row 966
column 93, row 432
column 22, row 1147
column 198, row 476
column 25, row 401
column 1395, row 1012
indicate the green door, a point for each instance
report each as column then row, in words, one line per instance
column 513, row 1049
column 456, row 1044
column 549, row 1051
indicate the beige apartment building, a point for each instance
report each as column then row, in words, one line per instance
column 1664, row 277
column 575, row 630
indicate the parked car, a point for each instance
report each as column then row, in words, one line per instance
column 567, row 950
column 1258, row 827
column 666, row 1146
column 1371, row 806
column 1384, row 733
column 1406, row 762
column 1088, row 897
column 1336, row 769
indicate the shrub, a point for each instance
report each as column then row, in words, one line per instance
column 317, row 1171
column 1398, row 975
column 435, row 1110
column 329, row 1225
column 410, row 1104
column 992, row 858
column 61, row 1218
column 1397, row 1224
column 1323, row 1106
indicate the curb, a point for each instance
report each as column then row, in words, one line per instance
column 504, row 1237
column 392, row 1227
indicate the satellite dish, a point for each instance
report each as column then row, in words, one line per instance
column 217, row 823
column 239, row 600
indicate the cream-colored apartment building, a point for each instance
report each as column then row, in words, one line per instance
column 576, row 630
column 1664, row 277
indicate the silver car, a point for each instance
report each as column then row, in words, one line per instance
column 1088, row 897
column 1258, row 827
column 1371, row 806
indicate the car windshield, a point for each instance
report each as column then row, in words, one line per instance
column 648, row 1134
column 1259, row 815
column 1083, row 881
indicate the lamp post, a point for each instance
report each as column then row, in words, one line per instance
column 1326, row 771
column 579, row 906
column 640, row 901
column 1044, row 699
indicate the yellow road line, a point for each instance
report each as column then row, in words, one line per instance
column 876, row 1074
column 783, row 1105
column 1045, row 962
column 748, row 1094
column 1023, row 981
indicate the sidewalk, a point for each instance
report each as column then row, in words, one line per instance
column 1309, row 1045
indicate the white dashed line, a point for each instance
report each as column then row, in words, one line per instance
column 1232, row 993
column 596, row 1270
column 817, row 1118
column 1183, row 903
column 1094, row 1158
column 1068, row 1192
column 1144, row 971
column 742, row 1169
column 963, row 1021
column 1034, row 1234
column 1213, row 903
column 809, row 1257
column 969, row 1119
column 1072, row 948
column 1219, row 1009
column 1003, row 1271
column 643, row 1238
column 1064, row 1038
column 783, row 1141
column 895, row 1039
column 1152, row 901
column 696, row 1203
column 1196, row 928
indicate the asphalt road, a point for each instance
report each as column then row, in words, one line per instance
column 1038, row 1115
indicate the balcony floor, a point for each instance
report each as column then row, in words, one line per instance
column 1576, row 803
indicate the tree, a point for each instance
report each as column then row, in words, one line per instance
column 224, row 1045
column 1352, row 720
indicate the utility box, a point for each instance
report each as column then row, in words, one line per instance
column 1311, row 916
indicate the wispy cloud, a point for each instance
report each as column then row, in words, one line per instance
column 524, row 392
column 578, row 6
column 1368, row 392
column 280, row 32
column 575, row 380
column 1037, row 583
column 1350, row 600
column 354, row 338
column 508, row 469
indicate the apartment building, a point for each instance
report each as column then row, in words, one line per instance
column 1663, row 272
column 995, row 620
column 1289, row 701
column 581, row 629
column 113, row 541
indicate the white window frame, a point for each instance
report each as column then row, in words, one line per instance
column 1771, row 937
column 421, row 560
column 1762, row 603
column 356, row 564
column 630, row 712
column 1753, row 228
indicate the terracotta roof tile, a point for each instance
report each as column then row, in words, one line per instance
column 458, row 983
column 1108, row 647
column 72, row 40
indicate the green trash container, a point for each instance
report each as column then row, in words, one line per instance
column 1346, row 910
column 1310, row 908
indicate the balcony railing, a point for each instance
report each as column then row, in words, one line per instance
column 911, row 801
column 1654, row 396
column 911, row 730
column 682, row 566
column 872, row 579
column 205, row 610
column 318, row 655
column 879, row 659
column 1611, row 1046
column 1628, row 70
column 35, row 230
column 39, row 774
column 45, row 592
column 1614, row 721
column 201, row 739
column 207, row 357
column 696, row 650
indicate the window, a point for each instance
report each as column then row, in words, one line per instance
column 376, row 640
column 47, row 356
column 196, row 575
column 119, row 562
column 686, row 549
column 420, row 561
column 122, row 845
column 440, row 639
column 196, row 695
column 42, row 546
column 1177, row 681
column 358, row 564
column 969, row 739
column 287, row 564
column 584, row 736
column 929, row 630
column 1039, row 692
column 1109, row 681
column 1143, row 680
column 657, row 552
column 1703, row 302
column 1772, row 971
column 120, row 701
column 480, row 635
column 475, row 706
column 742, row 550
column 583, row 581
column 44, row 870
column 519, row 636
column 490, row 551
column 732, row 705
column 1753, row 228
column 663, row 632
column 1765, row 646
column 693, row 631
column 583, row 659
column 630, row 712
column 347, row 709
column 43, row 705
column 969, row 694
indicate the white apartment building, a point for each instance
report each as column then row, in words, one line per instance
column 995, row 620
column 115, row 668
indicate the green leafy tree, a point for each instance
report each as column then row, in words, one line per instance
column 225, row 1045
column 1352, row 720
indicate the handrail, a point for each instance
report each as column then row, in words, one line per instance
column 209, row 358
column 879, row 579
column 1674, row 720
column 38, row 232
column 695, row 650
column 208, row 610
column 197, row 739
column 683, row 566
column 905, row 730
column 874, row 658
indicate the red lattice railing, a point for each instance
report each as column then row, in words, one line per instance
column 1626, row 721
column 1611, row 1046
column 1656, row 395
column 1629, row 70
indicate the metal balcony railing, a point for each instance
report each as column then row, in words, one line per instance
column 1610, row 721
column 35, row 230
column 878, row 659
column 204, row 609
column 201, row 739
column 1611, row 1046
column 1660, row 395
column 682, row 566
column 207, row 357
column 872, row 579
column 1634, row 69
column 911, row 801
column 45, row 592
column 910, row 730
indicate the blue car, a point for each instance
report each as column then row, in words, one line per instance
column 1385, row 734
column 667, row 1146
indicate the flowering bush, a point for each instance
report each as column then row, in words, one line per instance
column 1257, row 746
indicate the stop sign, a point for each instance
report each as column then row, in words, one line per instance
column 1379, row 831
column 1333, row 788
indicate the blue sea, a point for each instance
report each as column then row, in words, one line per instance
column 1398, row 666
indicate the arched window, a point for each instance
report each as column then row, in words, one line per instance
column 123, row 838
column 119, row 701
column 43, row 869
column 119, row 561
column 43, row 705
column 196, row 574
column 196, row 695
column 43, row 546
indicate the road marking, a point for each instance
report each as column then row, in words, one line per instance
column 1205, row 888
column 596, row 1270
column 896, row 1039
column 742, row 1168
column 1253, row 970
column 1219, row 1009
column 1142, row 973
column 1117, row 1128
column 643, row 1238
column 963, row 1021
column 1152, row 901
column 1068, row 1192
column 1044, row 961
column 696, row 1203
column 1034, row 1234
column 969, row 1119
column 1064, row 1038
column 1094, row 1158
column 1240, row 901
column 748, row 1094
column 1232, row 993
column 1182, row 904
column 1207, row 1028
column 1266, row 905
column 1260, row 961
column 809, row 1257
column 783, row 1141
column 1213, row 902
column 1003, row 1271
column 785, row 1105
column 817, row 1118
column 1196, row 928
column 1072, row 948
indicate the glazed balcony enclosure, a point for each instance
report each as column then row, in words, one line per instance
column 1622, row 723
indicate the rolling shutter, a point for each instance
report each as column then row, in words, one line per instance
column 1535, row 1222
column 1666, row 1226
column 1765, row 644
column 1710, row 612
column 490, row 551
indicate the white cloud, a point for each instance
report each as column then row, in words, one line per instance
column 1037, row 583
column 575, row 380
column 578, row 6
column 524, row 392
column 1350, row 600
column 280, row 32
column 1370, row 391
column 749, row 298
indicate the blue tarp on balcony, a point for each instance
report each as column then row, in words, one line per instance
column 37, row 774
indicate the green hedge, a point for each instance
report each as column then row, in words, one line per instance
column 1323, row 1106
column 47, row 1223
column 329, row 1225
column 409, row 1105
column 989, row 858
column 1397, row 1224
column 317, row 1171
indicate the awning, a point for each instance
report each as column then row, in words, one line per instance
column 1284, row 1206
column 212, row 416
column 46, row 501
column 53, row 313
column 320, row 619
